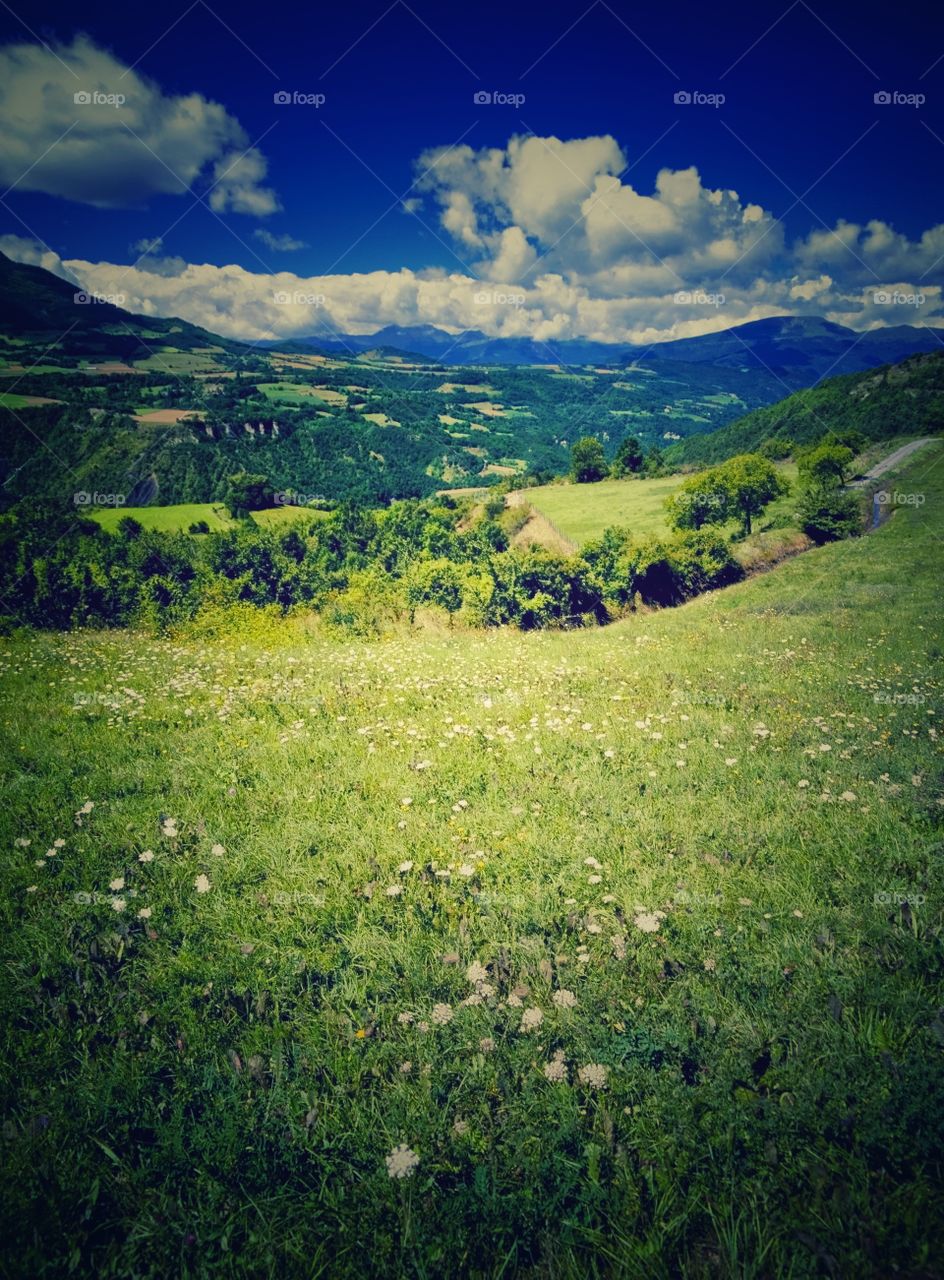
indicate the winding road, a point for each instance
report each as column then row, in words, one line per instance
column 893, row 459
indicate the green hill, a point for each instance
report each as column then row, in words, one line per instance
column 36, row 305
column 895, row 400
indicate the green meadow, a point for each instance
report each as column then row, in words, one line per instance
column 550, row 954
column 584, row 511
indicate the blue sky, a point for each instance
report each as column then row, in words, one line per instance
column 799, row 136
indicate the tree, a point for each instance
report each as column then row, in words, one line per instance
column 740, row 487
column 702, row 499
column 825, row 465
column 776, row 448
column 655, row 459
column 752, row 482
column 246, row 492
column 587, row 461
column 629, row 457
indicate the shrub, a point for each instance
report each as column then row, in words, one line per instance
column 830, row 513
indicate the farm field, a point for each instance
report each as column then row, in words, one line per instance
column 178, row 518
column 602, row 953
column 583, row 511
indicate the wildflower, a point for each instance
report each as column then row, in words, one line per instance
column 31, row 888
column 556, row 1069
column 594, row 1075
column 144, row 913
column 118, row 904
column 564, row 999
column 531, row 1019
column 848, row 796
column 476, row 972
column 594, row 879
column 460, row 1127
column 486, row 1044
column 22, row 842
column 146, row 856
column 406, row 1068
column 393, row 890
column 804, row 782
column 202, row 884
column 218, row 850
column 709, row 964
column 466, row 871
column 117, row 885
column 441, row 1014
column 647, row 921
column 58, row 844
column 401, row 1162
column 404, row 867
column 405, row 1018
column 592, row 862
column 730, row 760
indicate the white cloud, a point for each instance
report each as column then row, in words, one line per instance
column 80, row 125
column 592, row 256
column 279, row 243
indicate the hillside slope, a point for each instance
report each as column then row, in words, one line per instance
column 646, row 917
column 895, row 400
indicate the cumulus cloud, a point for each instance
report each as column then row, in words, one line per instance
column 557, row 227
column 80, row 125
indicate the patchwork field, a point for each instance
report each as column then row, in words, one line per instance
column 612, row 953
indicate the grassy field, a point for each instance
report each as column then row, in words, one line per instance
column 583, row 511
column 178, row 518
column 623, row 946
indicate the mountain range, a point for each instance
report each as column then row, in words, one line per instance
column 799, row 350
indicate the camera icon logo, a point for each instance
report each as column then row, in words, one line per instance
column 281, row 98
column 82, row 98
column 682, row 98
column 282, row 299
column 482, row 98
column 881, row 297
column 82, row 499
column 882, row 98
column 82, row 298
